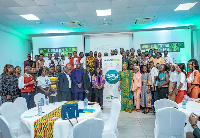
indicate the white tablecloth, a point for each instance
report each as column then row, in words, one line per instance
column 62, row 128
column 191, row 107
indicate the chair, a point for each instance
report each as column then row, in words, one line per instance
column 159, row 104
column 169, row 123
column 20, row 105
column 6, row 132
column 111, row 122
column 90, row 128
column 9, row 112
column 38, row 97
column 108, row 134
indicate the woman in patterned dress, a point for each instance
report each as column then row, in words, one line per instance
column 125, row 78
column 8, row 84
column 146, row 94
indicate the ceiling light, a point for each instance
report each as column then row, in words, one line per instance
column 57, row 31
column 165, row 26
column 103, row 12
column 185, row 6
column 30, row 17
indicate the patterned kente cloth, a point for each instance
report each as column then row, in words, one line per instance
column 90, row 63
column 43, row 127
column 126, row 95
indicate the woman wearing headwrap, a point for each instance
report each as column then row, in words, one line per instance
column 137, row 86
column 125, row 78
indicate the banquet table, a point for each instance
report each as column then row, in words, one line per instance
column 191, row 107
column 62, row 128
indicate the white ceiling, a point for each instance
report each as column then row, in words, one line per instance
column 52, row 12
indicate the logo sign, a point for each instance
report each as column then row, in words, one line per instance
column 112, row 76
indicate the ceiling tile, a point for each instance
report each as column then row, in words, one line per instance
column 19, row 10
column 82, row 1
column 6, row 11
column 26, row 2
column 43, row 2
column 62, row 1
column 36, row 10
column 151, row 9
column 120, row 3
column 8, row 3
column 173, row 2
column 136, row 3
column 102, row 5
column 85, row 6
column 136, row 10
column 52, row 9
column 17, row 18
column 59, row 16
column 72, row 14
column 44, row 16
column 155, row 2
column 67, row 7
column 91, row 13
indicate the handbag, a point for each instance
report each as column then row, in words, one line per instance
column 70, row 111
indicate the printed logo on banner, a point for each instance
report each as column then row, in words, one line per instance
column 112, row 60
column 111, row 97
column 112, row 76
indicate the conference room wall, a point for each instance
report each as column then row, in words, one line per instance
column 58, row 41
column 107, row 42
column 196, row 42
column 13, row 50
column 179, row 35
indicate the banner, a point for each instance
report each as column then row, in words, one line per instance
column 111, row 65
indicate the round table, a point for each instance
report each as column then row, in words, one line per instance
column 191, row 107
column 62, row 128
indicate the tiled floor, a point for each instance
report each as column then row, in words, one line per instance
column 134, row 125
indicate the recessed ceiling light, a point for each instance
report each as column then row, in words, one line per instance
column 30, row 17
column 103, row 12
column 185, row 6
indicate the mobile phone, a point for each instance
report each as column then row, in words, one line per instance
column 194, row 115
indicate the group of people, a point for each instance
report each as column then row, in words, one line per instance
column 145, row 78
column 74, row 78
column 148, row 77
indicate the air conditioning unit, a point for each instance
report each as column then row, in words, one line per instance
column 142, row 21
column 70, row 25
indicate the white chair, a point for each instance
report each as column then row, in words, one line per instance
column 9, row 112
column 169, row 123
column 38, row 97
column 20, row 105
column 159, row 104
column 111, row 122
column 90, row 128
column 108, row 134
column 6, row 132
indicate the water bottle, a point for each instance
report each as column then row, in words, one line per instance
column 39, row 109
column 42, row 102
column 184, row 104
column 47, row 100
column 85, row 103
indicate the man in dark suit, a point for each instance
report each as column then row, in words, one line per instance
column 64, row 85
column 87, row 83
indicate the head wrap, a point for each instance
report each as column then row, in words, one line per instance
column 138, row 68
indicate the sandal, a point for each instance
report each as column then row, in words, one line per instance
column 138, row 110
